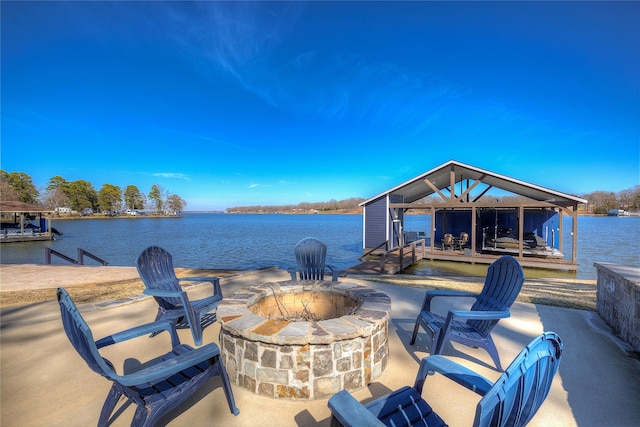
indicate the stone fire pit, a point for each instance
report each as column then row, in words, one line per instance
column 304, row 340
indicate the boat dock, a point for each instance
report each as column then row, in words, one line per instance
column 397, row 259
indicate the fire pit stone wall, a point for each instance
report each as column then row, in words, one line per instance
column 289, row 351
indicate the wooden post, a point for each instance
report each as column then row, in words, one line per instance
column 520, row 230
column 473, row 233
column 574, row 220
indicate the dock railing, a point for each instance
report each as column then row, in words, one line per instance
column 80, row 261
column 48, row 252
column 403, row 253
column 82, row 253
column 370, row 251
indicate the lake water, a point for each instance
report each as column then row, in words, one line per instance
column 244, row 242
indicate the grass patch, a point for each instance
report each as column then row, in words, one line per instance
column 92, row 293
column 565, row 293
column 580, row 295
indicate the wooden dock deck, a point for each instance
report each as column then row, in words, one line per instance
column 394, row 261
column 390, row 262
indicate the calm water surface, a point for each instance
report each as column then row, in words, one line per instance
column 243, row 242
column 199, row 240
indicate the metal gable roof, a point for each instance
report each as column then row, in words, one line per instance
column 440, row 177
column 10, row 206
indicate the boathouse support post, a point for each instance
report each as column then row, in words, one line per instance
column 473, row 233
column 561, row 232
column 574, row 232
column 520, row 231
column 433, row 229
column 572, row 211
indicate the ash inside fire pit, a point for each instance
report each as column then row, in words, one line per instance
column 303, row 306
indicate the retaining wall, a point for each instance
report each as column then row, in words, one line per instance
column 618, row 300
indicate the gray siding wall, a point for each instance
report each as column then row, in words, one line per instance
column 375, row 223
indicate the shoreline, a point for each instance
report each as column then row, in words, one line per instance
column 23, row 284
column 15, row 277
column 23, row 276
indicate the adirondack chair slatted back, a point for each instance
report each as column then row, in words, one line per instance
column 501, row 288
column 511, row 401
column 311, row 255
column 155, row 266
column 161, row 385
column 80, row 335
column 520, row 391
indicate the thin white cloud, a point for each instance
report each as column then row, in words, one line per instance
column 172, row 175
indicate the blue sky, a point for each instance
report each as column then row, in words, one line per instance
column 268, row 103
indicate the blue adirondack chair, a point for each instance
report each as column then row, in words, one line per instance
column 311, row 255
column 155, row 267
column 158, row 387
column 473, row 327
column 509, row 402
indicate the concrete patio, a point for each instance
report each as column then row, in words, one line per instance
column 45, row 383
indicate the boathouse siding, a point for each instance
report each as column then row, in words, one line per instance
column 382, row 224
column 375, row 223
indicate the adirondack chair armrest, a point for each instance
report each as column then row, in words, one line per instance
column 426, row 305
column 215, row 282
column 170, row 366
column 168, row 294
column 163, row 293
column 478, row 315
column 452, row 370
column 138, row 331
column 334, row 272
column 349, row 412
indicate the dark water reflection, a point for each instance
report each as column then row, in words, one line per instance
column 605, row 239
column 253, row 241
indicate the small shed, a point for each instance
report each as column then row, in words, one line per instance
column 23, row 222
column 475, row 214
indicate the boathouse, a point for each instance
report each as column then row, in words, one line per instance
column 474, row 215
column 23, row 222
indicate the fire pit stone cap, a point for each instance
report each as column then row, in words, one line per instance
column 235, row 317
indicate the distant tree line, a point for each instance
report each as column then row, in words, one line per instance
column 81, row 196
column 332, row 206
column 601, row 202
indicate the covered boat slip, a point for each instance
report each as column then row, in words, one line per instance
column 22, row 222
column 497, row 214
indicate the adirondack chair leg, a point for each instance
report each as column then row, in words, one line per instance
column 493, row 352
column 109, row 405
column 415, row 333
column 195, row 324
column 437, row 342
column 226, row 385
column 142, row 418
column 197, row 336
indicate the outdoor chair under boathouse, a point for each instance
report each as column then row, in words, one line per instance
column 487, row 214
